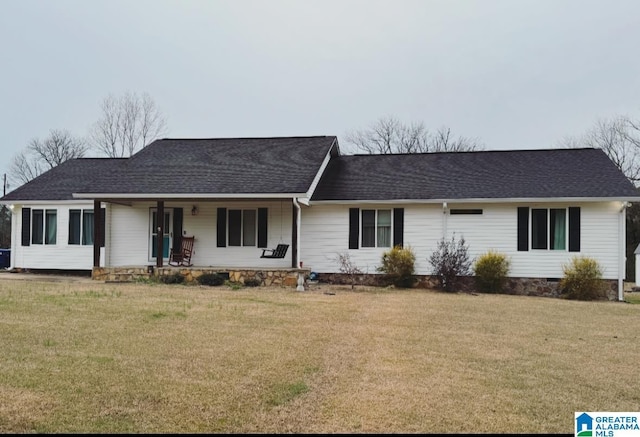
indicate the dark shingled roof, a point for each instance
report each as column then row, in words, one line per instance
column 221, row 166
column 190, row 166
column 474, row 175
column 69, row 177
column 289, row 165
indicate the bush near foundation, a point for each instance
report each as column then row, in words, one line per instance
column 582, row 279
column 491, row 270
column 450, row 260
column 211, row 279
column 174, row 278
column 253, row 282
column 398, row 264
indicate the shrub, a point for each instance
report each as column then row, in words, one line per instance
column 175, row 278
column 582, row 279
column 210, row 279
column 491, row 271
column 449, row 261
column 252, row 282
column 233, row 285
column 347, row 267
column 398, row 264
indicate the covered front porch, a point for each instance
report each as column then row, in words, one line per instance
column 230, row 237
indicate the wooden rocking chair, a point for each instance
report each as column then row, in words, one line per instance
column 279, row 252
column 182, row 256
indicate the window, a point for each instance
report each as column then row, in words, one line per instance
column 44, row 226
column 376, row 228
column 75, row 226
column 549, row 229
column 81, row 227
column 37, row 224
column 87, row 227
column 51, row 226
column 242, row 227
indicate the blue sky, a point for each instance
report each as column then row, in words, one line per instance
column 516, row 74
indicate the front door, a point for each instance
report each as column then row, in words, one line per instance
column 153, row 233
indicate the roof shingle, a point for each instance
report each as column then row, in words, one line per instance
column 550, row 173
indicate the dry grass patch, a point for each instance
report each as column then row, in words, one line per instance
column 140, row 358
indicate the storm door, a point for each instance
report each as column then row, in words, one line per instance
column 153, row 233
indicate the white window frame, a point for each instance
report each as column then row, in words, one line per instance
column 242, row 221
column 548, row 235
column 376, row 226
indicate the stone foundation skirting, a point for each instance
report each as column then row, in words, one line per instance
column 519, row 286
column 267, row 277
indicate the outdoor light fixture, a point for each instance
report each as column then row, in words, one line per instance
column 11, row 207
column 194, row 210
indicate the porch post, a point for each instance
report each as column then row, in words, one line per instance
column 97, row 231
column 294, row 235
column 160, row 233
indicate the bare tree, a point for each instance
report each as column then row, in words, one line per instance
column 348, row 267
column 619, row 138
column 42, row 155
column 128, row 123
column 389, row 135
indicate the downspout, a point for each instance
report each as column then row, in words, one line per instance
column 298, row 214
column 300, row 286
column 14, row 239
column 621, row 249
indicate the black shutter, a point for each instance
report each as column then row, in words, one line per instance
column 574, row 229
column 262, row 227
column 398, row 226
column 523, row 228
column 177, row 229
column 103, row 226
column 26, row 226
column 354, row 227
column 222, row 227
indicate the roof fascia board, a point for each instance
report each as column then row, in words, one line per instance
column 323, row 166
column 189, row 196
column 482, row 200
column 45, row 202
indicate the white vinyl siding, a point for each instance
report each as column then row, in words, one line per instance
column 59, row 255
column 129, row 239
column 325, row 231
column 324, row 234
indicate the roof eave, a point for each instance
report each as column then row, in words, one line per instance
column 189, row 196
column 483, row 200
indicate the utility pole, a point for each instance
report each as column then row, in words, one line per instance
column 4, row 220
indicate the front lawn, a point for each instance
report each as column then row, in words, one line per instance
column 141, row 358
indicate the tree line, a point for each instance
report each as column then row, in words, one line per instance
column 126, row 124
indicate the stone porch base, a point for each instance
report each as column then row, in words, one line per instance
column 267, row 277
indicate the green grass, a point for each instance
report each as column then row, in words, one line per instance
column 280, row 394
column 632, row 297
column 155, row 358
